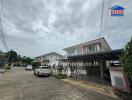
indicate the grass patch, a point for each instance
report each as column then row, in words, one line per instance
column 60, row 76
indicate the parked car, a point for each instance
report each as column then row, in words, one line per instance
column 2, row 70
column 42, row 71
column 29, row 67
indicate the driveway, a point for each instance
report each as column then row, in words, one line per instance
column 19, row 84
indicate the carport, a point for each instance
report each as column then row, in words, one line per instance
column 101, row 57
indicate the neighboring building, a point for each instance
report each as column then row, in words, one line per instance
column 94, row 46
column 50, row 57
column 3, row 59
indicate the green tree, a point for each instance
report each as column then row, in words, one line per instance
column 26, row 60
column 23, row 59
column 18, row 58
column 12, row 56
column 126, row 58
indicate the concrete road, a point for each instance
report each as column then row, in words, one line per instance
column 19, row 84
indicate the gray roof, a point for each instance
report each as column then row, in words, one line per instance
column 89, row 43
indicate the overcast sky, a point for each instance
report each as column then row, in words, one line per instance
column 36, row 27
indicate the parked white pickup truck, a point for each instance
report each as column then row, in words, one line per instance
column 42, row 71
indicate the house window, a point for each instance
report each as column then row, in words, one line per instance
column 97, row 47
column 91, row 48
column 71, row 52
column 79, row 51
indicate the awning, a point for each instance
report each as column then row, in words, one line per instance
column 106, row 55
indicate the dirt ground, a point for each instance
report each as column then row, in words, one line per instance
column 103, row 89
column 19, row 84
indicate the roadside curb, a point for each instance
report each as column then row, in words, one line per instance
column 92, row 87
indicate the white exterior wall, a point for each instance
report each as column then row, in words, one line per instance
column 119, row 79
column 117, row 74
column 99, row 45
column 80, row 50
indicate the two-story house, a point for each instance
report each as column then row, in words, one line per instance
column 90, row 53
column 93, row 46
column 49, row 57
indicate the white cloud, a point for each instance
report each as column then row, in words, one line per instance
column 35, row 27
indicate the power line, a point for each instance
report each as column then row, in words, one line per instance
column 109, row 3
column 2, row 19
column 2, row 31
column 117, row 32
column 102, row 17
column 2, row 2
column 2, row 39
column 4, row 43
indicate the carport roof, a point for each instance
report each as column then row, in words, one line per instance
column 106, row 55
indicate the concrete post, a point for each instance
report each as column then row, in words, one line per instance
column 101, row 69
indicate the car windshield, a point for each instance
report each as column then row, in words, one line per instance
column 29, row 66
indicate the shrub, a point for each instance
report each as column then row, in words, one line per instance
column 126, row 58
